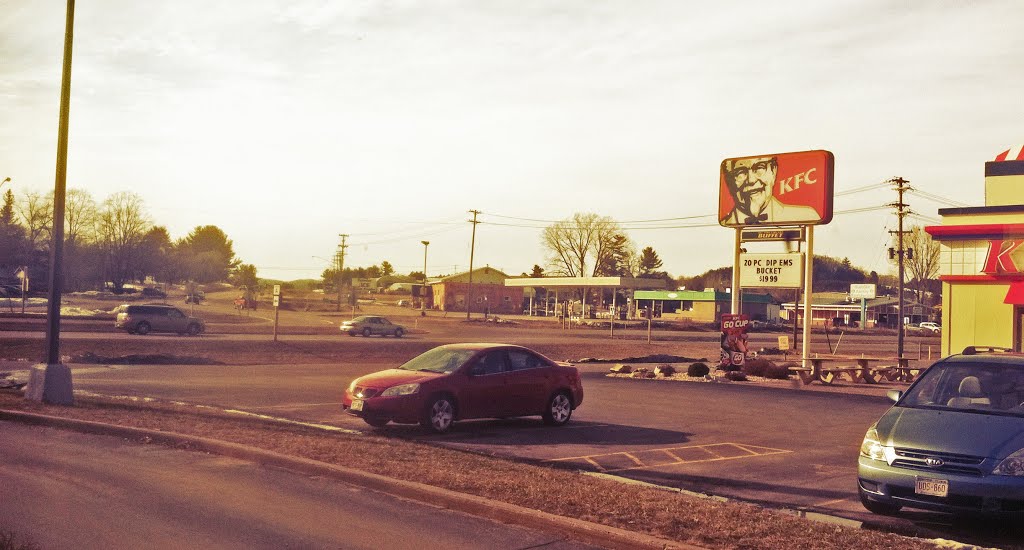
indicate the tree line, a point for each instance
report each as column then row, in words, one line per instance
column 110, row 244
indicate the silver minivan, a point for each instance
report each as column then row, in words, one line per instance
column 954, row 442
column 146, row 318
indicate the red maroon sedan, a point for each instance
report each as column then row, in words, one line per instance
column 463, row 381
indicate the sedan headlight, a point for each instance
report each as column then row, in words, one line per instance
column 871, row 447
column 1012, row 465
column 404, row 389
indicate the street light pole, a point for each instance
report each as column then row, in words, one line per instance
column 52, row 383
column 423, row 291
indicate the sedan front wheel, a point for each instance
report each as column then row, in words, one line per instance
column 439, row 414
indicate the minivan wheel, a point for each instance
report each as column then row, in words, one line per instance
column 559, row 409
column 142, row 328
column 439, row 414
column 879, row 508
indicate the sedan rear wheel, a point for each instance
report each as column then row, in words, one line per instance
column 559, row 409
column 439, row 414
column 194, row 329
column 399, row 332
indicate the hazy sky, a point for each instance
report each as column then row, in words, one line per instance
column 286, row 123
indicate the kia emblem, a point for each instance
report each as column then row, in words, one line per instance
column 934, row 462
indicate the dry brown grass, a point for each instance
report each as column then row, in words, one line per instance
column 641, row 509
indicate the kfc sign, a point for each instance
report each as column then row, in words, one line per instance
column 776, row 189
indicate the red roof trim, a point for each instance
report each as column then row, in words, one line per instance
column 991, row 230
column 1002, row 278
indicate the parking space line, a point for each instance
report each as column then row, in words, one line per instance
column 672, row 455
column 716, row 452
column 829, row 502
column 634, row 459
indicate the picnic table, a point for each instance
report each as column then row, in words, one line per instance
column 867, row 370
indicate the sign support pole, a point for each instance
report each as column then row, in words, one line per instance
column 736, row 272
column 863, row 313
column 808, row 291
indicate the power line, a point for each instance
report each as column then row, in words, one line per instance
column 861, row 189
column 937, row 198
column 621, row 222
column 409, row 236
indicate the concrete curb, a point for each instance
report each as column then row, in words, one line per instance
column 583, row 531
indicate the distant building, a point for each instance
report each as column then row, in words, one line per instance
column 705, row 305
column 489, row 293
column 837, row 309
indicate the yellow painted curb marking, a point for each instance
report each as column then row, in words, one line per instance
column 716, row 452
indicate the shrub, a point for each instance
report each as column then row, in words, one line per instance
column 665, row 370
column 756, row 367
column 697, row 369
column 776, row 372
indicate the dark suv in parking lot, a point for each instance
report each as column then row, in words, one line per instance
column 143, row 319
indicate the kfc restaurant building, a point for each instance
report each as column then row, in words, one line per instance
column 982, row 262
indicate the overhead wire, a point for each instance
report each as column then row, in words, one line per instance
column 937, row 198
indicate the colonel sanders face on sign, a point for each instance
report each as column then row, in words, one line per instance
column 751, row 183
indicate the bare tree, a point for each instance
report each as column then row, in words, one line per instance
column 36, row 213
column 582, row 245
column 924, row 265
column 122, row 224
column 81, row 215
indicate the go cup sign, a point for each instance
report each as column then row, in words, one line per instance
column 734, row 339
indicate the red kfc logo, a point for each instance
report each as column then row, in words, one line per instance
column 998, row 259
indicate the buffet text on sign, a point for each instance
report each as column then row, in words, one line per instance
column 771, row 270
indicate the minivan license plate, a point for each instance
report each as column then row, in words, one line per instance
column 931, row 487
column 357, row 404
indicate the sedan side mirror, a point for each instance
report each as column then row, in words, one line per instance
column 894, row 395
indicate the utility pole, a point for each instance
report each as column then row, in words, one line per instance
column 902, row 210
column 423, row 291
column 472, row 248
column 341, row 264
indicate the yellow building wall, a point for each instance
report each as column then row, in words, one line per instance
column 975, row 315
column 1003, row 190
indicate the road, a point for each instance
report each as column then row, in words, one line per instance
column 68, row 490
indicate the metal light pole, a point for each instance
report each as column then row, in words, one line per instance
column 423, row 292
column 52, row 383
column 5, row 181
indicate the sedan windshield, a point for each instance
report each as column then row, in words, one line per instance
column 986, row 388
column 439, row 360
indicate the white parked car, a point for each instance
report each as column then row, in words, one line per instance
column 929, row 326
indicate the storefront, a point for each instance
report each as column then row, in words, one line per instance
column 982, row 262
